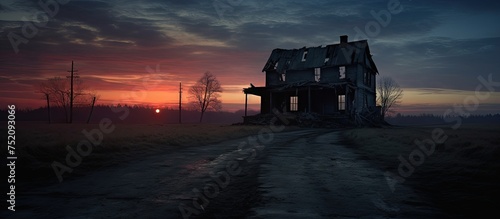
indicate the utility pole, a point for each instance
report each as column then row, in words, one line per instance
column 71, row 93
column 91, row 109
column 180, row 102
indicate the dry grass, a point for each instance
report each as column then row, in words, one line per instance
column 461, row 175
column 38, row 145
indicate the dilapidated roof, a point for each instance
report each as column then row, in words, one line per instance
column 341, row 54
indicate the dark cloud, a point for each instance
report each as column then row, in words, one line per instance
column 439, row 62
column 100, row 16
column 464, row 5
column 3, row 7
column 204, row 28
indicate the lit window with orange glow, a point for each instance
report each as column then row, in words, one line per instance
column 294, row 103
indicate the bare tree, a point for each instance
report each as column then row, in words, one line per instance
column 58, row 91
column 389, row 94
column 205, row 94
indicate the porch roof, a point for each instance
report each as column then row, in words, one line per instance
column 259, row 91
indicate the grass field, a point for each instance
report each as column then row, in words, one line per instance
column 38, row 145
column 461, row 176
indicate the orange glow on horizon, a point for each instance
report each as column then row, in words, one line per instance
column 163, row 96
column 169, row 96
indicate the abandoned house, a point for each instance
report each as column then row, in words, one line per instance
column 333, row 80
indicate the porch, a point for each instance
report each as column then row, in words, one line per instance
column 331, row 99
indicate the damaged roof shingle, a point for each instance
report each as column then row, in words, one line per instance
column 342, row 54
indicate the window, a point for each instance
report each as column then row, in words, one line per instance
column 304, row 56
column 342, row 72
column 283, row 76
column 317, row 74
column 326, row 60
column 293, row 103
column 341, row 102
column 367, row 78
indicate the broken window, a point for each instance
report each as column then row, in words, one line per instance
column 294, row 103
column 342, row 72
column 341, row 101
column 317, row 74
column 326, row 60
column 304, row 56
column 367, row 78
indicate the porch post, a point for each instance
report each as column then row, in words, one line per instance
column 246, row 101
column 347, row 105
column 270, row 102
column 308, row 99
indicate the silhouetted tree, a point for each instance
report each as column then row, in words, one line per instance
column 58, row 91
column 389, row 94
column 205, row 94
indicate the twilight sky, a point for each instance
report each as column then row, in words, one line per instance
column 435, row 50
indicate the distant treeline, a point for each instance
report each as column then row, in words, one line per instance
column 431, row 119
column 125, row 114
column 147, row 114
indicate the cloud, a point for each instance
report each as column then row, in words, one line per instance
column 439, row 62
column 423, row 46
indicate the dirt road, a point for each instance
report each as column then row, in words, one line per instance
column 298, row 174
column 316, row 176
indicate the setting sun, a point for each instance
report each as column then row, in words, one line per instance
column 157, row 110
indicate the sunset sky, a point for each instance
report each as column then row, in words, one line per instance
column 435, row 50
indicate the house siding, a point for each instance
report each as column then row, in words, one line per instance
column 300, row 75
column 272, row 78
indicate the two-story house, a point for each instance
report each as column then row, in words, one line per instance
column 337, row 79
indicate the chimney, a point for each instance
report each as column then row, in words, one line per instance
column 343, row 39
